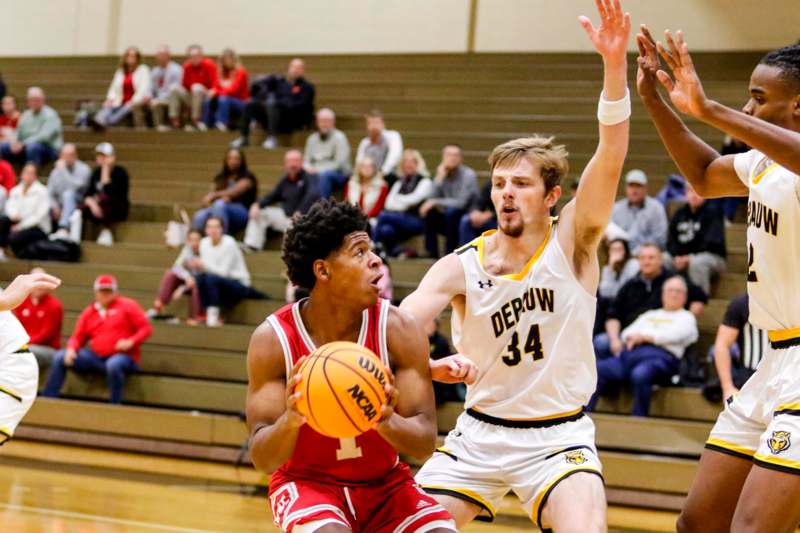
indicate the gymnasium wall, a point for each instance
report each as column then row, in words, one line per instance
column 100, row 27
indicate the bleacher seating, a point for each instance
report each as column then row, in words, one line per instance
column 193, row 379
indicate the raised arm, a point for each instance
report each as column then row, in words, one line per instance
column 410, row 423
column 686, row 92
column 586, row 220
column 24, row 284
column 272, row 417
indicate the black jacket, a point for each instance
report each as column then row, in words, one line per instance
column 701, row 231
column 296, row 97
column 294, row 196
column 114, row 194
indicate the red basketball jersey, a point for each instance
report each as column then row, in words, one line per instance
column 316, row 457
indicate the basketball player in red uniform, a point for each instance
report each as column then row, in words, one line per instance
column 321, row 484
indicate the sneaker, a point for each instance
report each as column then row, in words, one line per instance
column 270, row 143
column 106, row 238
column 3, row 257
column 188, row 127
column 201, row 126
column 76, row 226
column 212, row 317
column 221, row 126
column 152, row 313
column 162, row 128
column 239, row 142
column 62, row 233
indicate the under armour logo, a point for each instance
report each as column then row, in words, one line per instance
column 485, row 284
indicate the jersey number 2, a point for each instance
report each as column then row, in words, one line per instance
column 533, row 346
column 752, row 277
column 348, row 449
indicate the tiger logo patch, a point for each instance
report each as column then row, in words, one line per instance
column 779, row 441
column 575, row 457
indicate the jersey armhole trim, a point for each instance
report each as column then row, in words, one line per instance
column 572, row 274
column 287, row 352
column 383, row 339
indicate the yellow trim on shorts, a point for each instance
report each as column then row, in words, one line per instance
column 790, row 406
column 542, row 419
column 468, row 493
column 795, row 465
column 778, row 335
column 537, row 503
column 731, row 446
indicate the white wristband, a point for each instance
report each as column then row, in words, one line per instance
column 610, row 113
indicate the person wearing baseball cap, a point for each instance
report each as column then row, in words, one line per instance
column 643, row 218
column 107, row 339
column 106, row 201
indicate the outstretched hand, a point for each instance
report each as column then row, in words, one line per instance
column 685, row 90
column 610, row 39
column 19, row 289
column 649, row 65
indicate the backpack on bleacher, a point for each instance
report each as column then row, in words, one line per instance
column 52, row 250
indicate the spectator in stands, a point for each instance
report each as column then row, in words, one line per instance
column 128, row 93
column 106, row 202
column 641, row 293
column 621, row 268
column 327, row 154
column 737, row 350
column 480, row 217
column 643, row 218
column 107, row 339
column 366, row 188
column 2, row 87
column 39, row 133
column 199, row 77
column 232, row 193
column 42, row 315
column 180, row 279
column 454, row 186
column 280, row 104
column 654, row 344
column 697, row 240
column 729, row 205
column 27, row 213
column 9, row 119
column 400, row 217
column 440, row 348
column 67, row 185
column 165, row 77
column 383, row 146
column 8, row 180
column 295, row 193
column 229, row 95
column 222, row 276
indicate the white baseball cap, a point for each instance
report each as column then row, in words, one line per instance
column 636, row 176
column 104, row 148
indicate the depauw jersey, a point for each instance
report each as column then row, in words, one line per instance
column 12, row 335
column 530, row 334
column 773, row 243
column 350, row 461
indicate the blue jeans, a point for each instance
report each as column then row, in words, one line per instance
column 467, row 232
column 70, row 200
column 644, row 366
column 394, row 227
column 329, row 181
column 602, row 346
column 111, row 116
column 234, row 216
column 37, row 153
column 442, row 222
column 216, row 291
column 219, row 109
column 114, row 367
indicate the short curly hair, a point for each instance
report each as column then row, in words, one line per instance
column 317, row 234
column 787, row 60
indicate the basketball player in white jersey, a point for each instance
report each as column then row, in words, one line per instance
column 523, row 301
column 749, row 474
column 19, row 373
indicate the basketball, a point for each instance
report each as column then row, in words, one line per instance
column 342, row 389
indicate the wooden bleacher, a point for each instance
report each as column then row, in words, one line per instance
column 186, row 399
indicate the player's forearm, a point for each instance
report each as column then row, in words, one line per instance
column 722, row 361
column 779, row 144
column 690, row 153
column 271, row 446
column 413, row 436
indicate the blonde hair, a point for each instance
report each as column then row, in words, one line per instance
column 551, row 157
column 422, row 168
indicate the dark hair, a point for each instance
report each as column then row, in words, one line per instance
column 374, row 113
column 221, row 179
column 196, row 230
column 787, row 59
column 618, row 268
column 122, row 64
column 317, row 234
column 214, row 217
column 454, row 145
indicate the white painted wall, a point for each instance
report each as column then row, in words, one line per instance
column 101, row 27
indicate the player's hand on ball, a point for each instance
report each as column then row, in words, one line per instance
column 293, row 416
column 610, row 38
column 685, row 90
column 387, row 409
column 454, row 369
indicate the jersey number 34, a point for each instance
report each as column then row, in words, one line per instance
column 533, row 346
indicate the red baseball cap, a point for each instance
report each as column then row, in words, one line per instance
column 105, row 282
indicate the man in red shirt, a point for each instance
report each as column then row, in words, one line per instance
column 199, row 77
column 107, row 339
column 42, row 314
column 8, row 180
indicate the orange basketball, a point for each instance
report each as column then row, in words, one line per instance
column 342, row 389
